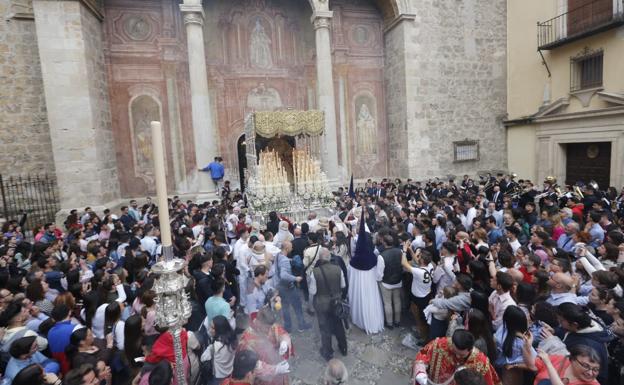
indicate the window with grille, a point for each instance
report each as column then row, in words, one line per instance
column 466, row 150
column 586, row 70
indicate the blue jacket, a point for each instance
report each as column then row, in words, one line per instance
column 58, row 336
column 217, row 171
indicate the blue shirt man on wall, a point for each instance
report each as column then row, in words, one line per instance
column 217, row 171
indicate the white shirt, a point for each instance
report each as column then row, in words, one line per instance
column 470, row 216
column 498, row 304
column 515, row 245
column 421, row 284
column 312, row 223
column 197, row 229
column 223, row 359
column 271, row 248
column 418, row 242
column 444, row 273
column 118, row 334
column 148, row 243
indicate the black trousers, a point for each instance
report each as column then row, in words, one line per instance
column 330, row 325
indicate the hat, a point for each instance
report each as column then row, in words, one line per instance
column 323, row 223
column 364, row 257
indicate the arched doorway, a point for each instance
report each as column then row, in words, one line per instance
column 241, row 146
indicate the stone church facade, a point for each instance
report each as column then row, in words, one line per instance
column 409, row 88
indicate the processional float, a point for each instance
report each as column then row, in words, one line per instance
column 293, row 186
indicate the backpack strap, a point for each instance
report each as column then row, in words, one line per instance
column 313, row 259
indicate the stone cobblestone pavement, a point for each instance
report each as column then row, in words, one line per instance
column 371, row 359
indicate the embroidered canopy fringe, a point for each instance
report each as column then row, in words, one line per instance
column 291, row 123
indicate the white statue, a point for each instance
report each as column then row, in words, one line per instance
column 260, row 47
column 367, row 131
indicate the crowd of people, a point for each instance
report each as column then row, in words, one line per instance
column 498, row 280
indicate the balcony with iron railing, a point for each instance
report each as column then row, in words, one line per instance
column 585, row 20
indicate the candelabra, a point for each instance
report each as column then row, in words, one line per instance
column 172, row 306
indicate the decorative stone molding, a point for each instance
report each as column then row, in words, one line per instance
column 193, row 14
column 585, row 96
column 398, row 20
column 321, row 19
column 193, row 18
column 612, row 98
column 321, row 22
column 550, row 108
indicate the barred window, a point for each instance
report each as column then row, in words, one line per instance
column 466, row 150
column 586, row 70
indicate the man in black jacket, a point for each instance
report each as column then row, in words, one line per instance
column 326, row 283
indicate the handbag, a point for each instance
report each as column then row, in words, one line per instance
column 341, row 307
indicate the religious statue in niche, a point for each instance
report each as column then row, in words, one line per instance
column 144, row 109
column 263, row 98
column 366, row 125
column 260, row 47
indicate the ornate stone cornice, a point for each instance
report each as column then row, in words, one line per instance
column 321, row 19
column 193, row 14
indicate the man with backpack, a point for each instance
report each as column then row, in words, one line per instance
column 310, row 258
column 286, row 285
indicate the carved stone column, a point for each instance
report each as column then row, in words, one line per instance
column 325, row 92
column 204, row 133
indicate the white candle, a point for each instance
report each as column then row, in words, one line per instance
column 161, row 184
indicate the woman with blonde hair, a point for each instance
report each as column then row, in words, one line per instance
column 557, row 227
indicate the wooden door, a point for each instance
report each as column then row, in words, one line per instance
column 589, row 161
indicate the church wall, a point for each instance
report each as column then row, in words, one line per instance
column 358, row 45
column 106, row 162
column 259, row 57
column 69, row 38
column 25, row 144
column 145, row 51
column 456, row 84
column 395, row 73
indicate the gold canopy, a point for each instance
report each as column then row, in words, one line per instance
column 290, row 123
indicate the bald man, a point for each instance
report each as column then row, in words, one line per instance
column 563, row 289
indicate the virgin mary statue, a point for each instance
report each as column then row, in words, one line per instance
column 260, row 47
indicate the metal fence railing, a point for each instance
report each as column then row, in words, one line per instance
column 590, row 17
column 32, row 195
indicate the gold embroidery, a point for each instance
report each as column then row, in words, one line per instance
column 291, row 123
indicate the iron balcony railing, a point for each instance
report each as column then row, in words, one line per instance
column 590, row 18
